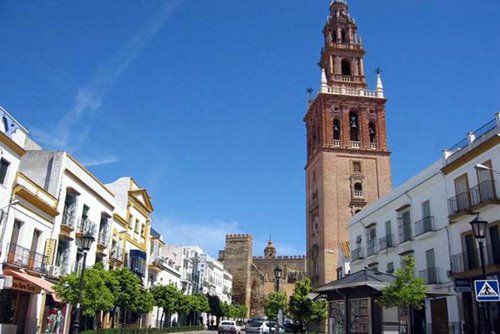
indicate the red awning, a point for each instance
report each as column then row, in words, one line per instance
column 40, row 282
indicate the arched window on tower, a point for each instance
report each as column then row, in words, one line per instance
column 358, row 190
column 336, row 132
column 334, row 36
column 343, row 36
column 346, row 67
column 372, row 131
column 354, row 127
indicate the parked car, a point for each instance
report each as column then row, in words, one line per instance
column 228, row 326
column 263, row 327
column 255, row 326
column 270, row 327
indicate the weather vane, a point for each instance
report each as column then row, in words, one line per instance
column 309, row 92
column 378, row 70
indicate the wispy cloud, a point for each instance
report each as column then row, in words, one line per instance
column 101, row 161
column 73, row 128
column 210, row 236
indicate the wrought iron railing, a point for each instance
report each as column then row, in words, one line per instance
column 85, row 225
column 371, row 247
column 385, row 242
column 471, row 259
column 483, row 192
column 460, row 202
column 405, row 233
column 483, row 130
column 357, row 254
column 430, row 275
column 424, row 225
column 25, row 258
column 68, row 218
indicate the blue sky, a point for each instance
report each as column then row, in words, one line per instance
column 202, row 101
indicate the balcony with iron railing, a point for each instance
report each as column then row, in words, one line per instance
column 385, row 242
column 424, row 225
column 357, row 254
column 405, row 233
column 430, row 275
column 484, row 192
column 104, row 235
column 117, row 253
column 459, row 203
column 69, row 217
column 371, row 247
column 472, row 140
column 85, row 226
column 471, row 260
column 25, row 258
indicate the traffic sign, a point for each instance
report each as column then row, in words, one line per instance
column 487, row 290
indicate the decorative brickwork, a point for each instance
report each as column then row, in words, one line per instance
column 348, row 164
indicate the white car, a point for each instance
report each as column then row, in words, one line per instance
column 228, row 326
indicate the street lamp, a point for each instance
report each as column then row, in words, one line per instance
column 483, row 167
column 479, row 231
column 86, row 242
column 278, row 271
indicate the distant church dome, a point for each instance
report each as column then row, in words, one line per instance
column 270, row 250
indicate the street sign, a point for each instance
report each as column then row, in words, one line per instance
column 462, row 285
column 487, row 290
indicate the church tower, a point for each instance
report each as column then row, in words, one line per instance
column 348, row 163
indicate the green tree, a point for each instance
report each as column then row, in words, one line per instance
column 215, row 307
column 168, row 298
column 127, row 291
column 198, row 304
column 144, row 302
column 274, row 302
column 96, row 295
column 242, row 311
column 304, row 309
column 406, row 290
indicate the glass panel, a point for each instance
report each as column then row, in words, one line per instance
column 359, row 316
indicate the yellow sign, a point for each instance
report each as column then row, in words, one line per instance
column 50, row 247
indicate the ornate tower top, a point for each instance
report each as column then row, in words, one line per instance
column 270, row 250
column 341, row 60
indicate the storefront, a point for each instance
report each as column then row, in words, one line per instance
column 353, row 306
column 29, row 305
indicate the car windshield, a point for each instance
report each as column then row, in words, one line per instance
column 227, row 323
column 256, row 324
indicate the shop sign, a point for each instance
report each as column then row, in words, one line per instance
column 50, row 246
column 462, row 285
column 21, row 285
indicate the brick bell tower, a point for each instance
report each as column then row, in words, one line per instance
column 348, row 162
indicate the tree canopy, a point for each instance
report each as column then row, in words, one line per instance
column 96, row 293
column 274, row 302
column 406, row 290
column 304, row 309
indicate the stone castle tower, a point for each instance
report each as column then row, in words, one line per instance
column 237, row 258
column 348, row 163
column 253, row 276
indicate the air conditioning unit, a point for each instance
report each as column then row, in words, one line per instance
column 54, row 271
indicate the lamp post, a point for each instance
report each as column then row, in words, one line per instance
column 483, row 167
column 479, row 231
column 87, row 241
column 277, row 275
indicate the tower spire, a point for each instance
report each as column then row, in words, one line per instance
column 380, row 86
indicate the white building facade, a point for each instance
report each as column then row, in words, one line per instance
column 428, row 217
